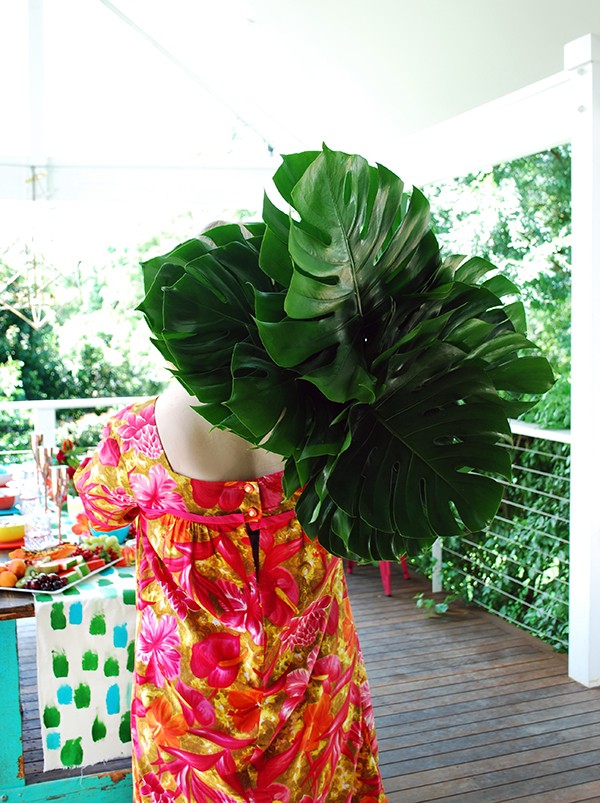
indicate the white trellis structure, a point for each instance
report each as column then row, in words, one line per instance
column 563, row 108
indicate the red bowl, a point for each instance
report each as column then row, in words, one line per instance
column 7, row 499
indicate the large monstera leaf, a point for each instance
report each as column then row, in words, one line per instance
column 337, row 337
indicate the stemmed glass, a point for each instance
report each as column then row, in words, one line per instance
column 59, row 484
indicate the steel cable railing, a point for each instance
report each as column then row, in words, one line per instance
column 518, row 567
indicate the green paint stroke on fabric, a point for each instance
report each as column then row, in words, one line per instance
column 58, row 620
column 130, row 656
column 98, row 730
column 60, row 664
column 98, row 625
column 83, row 696
column 89, row 661
column 125, row 728
column 111, row 668
column 72, row 753
column 51, row 717
column 129, row 596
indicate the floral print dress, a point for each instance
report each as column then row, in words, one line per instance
column 249, row 683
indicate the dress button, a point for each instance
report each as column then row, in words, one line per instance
column 252, row 512
column 248, row 488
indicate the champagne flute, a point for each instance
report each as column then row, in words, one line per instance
column 59, row 483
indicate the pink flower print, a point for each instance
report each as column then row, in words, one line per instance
column 217, row 658
column 158, row 647
column 139, row 432
column 109, row 452
column 119, row 497
column 241, row 608
column 296, row 683
column 367, row 707
column 156, row 490
column 151, row 786
column 303, row 629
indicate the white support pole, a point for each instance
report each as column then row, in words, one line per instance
column 436, row 574
column 37, row 128
column 582, row 61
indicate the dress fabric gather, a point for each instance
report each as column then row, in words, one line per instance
column 249, row 683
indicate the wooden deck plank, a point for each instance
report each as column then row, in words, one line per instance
column 467, row 708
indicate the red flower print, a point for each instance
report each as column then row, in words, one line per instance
column 303, row 629
column 156, row 491
column 138, row 431
column 158, row 647
column 274, row 793
column 217, row 658
column 245, row 711
column 109, row 453
column 241, row 608
column 227, row 496
column 167, row 728
column 280, row 594
column 271, row 491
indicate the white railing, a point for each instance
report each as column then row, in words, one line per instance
column 43, row 411
column 489, row 567
column 489, row 573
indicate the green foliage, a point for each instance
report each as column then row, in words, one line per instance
column 338, row 337
column 520, row 213
column 519, row 568
column 435, row 607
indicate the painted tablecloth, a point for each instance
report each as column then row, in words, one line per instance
column 85, row 655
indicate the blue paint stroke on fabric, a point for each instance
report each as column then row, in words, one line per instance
column 113, row 700
column 64, row 695
column 53, row 741
column 120, row 635
column 76, row 613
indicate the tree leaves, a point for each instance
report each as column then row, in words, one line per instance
column 337, row 337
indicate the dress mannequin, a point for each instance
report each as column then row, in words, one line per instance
column 196, row 449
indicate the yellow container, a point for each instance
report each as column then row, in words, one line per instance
column 11, row 528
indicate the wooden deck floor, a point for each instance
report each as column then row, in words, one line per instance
column 468, row 709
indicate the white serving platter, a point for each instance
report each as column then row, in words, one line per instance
column 63, row 588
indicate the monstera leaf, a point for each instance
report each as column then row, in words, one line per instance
column 335, row 335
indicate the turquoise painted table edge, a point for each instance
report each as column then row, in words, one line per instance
column 115, row 787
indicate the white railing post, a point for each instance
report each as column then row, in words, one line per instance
column 44, row 423
column 436, row 573
column 582, row 61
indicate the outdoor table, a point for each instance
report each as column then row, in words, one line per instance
column 114, row 786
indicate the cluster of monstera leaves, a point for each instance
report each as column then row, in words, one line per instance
column 334, row 334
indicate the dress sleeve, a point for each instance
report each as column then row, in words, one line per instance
column 102, row 482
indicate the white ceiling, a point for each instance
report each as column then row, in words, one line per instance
column 358, row 75
column 189, row 83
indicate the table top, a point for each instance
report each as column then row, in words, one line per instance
column 14, row 605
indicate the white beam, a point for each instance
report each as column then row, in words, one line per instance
column 529, row 120
column 37, row 137
column 582, row 60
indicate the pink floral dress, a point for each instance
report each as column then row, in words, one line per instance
column 249, row 683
